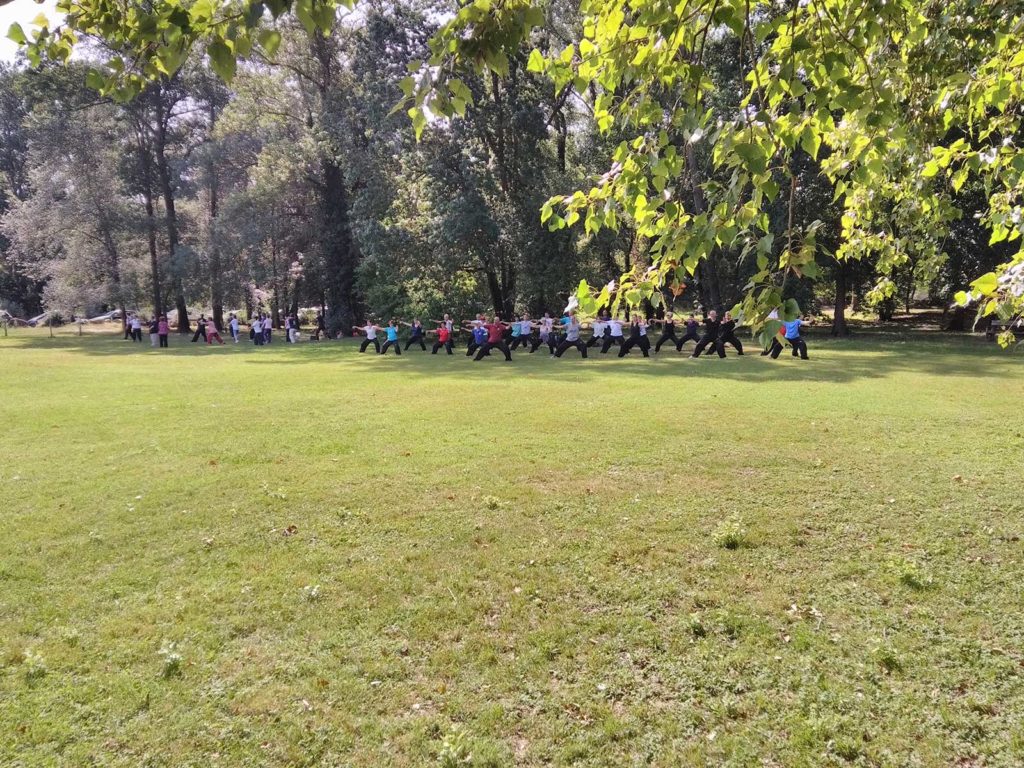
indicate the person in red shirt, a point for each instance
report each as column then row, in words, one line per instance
column 495, row 340
column 444, row 339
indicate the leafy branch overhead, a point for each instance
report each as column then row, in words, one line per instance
column 901, row 103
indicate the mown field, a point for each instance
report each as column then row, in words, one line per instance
column 309, row 557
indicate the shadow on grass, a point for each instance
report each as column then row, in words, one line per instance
column 875, row 356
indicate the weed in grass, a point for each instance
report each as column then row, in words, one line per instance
column 171, row 658
column 33, row 664
column 731, row 533
column 311, row 593
column 887, row 659
column 912, row 575
column 456, row 749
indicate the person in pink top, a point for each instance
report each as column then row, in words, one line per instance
column 163, row 330
column 212, row 333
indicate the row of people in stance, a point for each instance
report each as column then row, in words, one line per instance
column 565, row 333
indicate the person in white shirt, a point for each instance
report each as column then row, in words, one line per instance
column 371, row 336
column 233, row 325
column 136, row 328
column 614, row 334
column 598, row 330
column 257, row 331
column 524, row 330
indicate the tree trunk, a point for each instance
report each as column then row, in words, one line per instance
column 216, row 284
column 167, row 189
column 839, row 326
column 337, row 248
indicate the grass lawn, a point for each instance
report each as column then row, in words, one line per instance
column 518, row 564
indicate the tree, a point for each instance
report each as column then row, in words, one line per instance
column 77, row 228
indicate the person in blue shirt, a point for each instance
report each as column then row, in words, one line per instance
column 478, row 339
column 791, row 330
column 392, row 341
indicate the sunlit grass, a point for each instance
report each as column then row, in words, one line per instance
column 307, row 556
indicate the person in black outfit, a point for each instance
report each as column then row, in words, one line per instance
column 637, row 337
column 711, row 328
column 668, row 332
column 200, row 329
column 727, row 335
column 691, row 327
column 128, row 327
column 321, row 327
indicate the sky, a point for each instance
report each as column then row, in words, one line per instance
column 23, row 12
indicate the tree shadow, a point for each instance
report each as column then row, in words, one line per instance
column 865, row 356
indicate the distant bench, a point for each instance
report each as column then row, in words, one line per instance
column 998, row 326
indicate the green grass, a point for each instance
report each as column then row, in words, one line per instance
column 618, row 562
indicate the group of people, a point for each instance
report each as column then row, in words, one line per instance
column 559, row 336
column 159, row 329
column 712, row 336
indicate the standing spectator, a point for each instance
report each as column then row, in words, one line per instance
column 164, row 329
column 136, row 328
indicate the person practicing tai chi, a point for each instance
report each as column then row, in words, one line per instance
column 371, row 336
column 444, row 339
column 614, row 335
column 727, row 335
column 712, row 325
column 791, row 331
column 637, row 337
column 546, row 327
column 212, row 334
column 691, row 325
column 495, row 340
column 598, row 330
column 415, row 334
column 392, row 339
column 775, row 343
column 256, row 331
column 477, row 336
column 448, row 323
column 200, row 329
column 233, row 326
column 522, row 332
column 668, row 332
column 572, row 337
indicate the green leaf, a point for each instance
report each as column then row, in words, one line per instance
column 986, row 284
column 270, row 41
column 222, row 59
column 17, row 34
column 790, row 310
column 536, row 62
